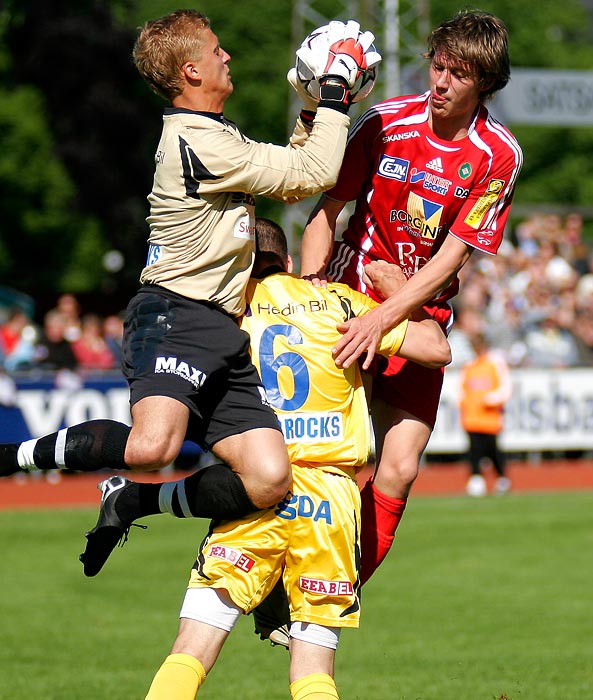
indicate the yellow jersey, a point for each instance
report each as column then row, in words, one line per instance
column 322, row 408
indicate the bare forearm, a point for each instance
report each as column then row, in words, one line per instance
column 408, row 300
column 315, row 251
column 425, row 285
column 318, row 237
column 426, row 344
column 362, row 335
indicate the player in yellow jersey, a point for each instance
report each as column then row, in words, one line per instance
column 311, row 538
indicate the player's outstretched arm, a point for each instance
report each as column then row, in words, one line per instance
column 426, row 344
column 318, row 239
column 361, row 335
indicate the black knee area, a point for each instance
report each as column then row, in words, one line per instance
column 96, row 444
column 217, row 492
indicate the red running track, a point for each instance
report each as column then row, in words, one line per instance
column 74, row 490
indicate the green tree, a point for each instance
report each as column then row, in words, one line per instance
column 39, row 230
column 78, row 127
column 93, row 122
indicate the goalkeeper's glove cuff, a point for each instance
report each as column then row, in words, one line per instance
column 334, row 92
column 307, row 117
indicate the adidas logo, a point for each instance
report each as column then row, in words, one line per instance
column 435, row 164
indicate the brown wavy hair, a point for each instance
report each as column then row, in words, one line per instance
column 479, row 40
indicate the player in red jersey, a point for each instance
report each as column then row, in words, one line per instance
column 433, row 177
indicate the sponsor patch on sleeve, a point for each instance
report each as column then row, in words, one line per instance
column 481, row 207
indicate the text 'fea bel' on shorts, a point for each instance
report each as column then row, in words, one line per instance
column 313, row 533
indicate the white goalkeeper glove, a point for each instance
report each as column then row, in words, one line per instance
column 345, row 53
column 308, row 102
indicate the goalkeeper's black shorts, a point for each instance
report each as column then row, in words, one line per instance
column 194, row 352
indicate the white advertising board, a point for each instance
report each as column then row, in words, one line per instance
column 539, row 96
column 549, row 411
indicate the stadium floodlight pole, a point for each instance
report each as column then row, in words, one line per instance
column 305, row 17
column 391, row 68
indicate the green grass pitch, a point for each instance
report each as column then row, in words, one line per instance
column 479, row 600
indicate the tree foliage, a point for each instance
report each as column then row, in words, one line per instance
column 78, row 127
column 38, row 228
column 79, row 146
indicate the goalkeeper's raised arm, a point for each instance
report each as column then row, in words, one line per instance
column 336, row 65
column 208, row 169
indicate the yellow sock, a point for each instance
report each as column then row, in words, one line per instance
column 178, row 678
column 316, row 686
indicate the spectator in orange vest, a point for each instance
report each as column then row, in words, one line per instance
column 485, row 389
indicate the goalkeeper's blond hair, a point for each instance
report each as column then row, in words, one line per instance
column 164, row 45
column 479, row 40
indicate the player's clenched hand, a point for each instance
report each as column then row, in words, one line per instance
column 383, row 278
column 317, row 279
column 361, row 334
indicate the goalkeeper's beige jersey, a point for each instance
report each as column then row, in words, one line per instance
column 322, row 408
column 202, row 207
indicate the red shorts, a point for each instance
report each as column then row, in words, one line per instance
column 402, row 383
column 411, row 387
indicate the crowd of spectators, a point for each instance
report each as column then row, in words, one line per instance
column 67, row 341
column 533, row 301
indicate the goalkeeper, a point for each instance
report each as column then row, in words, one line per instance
column 184, row 356
column 311, row 538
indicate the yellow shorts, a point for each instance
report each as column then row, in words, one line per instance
column 311, row 538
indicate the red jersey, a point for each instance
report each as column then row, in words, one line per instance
column 412, row 188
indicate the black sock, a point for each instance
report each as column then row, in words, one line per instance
column 139, row 500
column 8, row 461
column 214, row 492
column 130, row 503
column 96, row 444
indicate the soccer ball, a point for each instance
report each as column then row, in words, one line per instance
column 317, row 44
column 362, row 87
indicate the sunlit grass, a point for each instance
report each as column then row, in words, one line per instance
column 479, row 600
